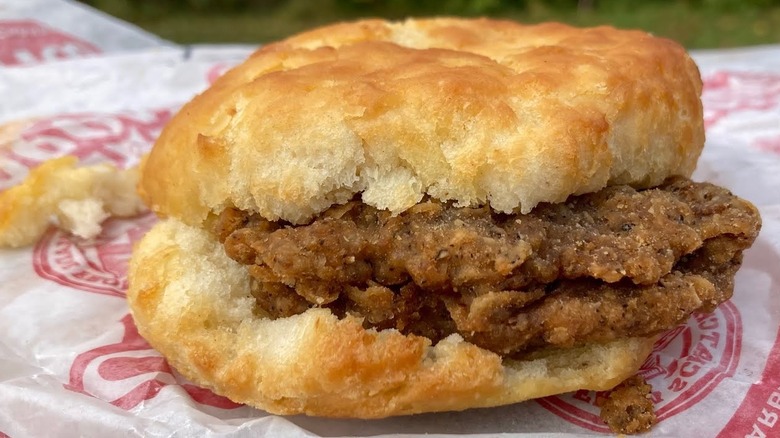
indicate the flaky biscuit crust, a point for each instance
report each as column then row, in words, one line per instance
column 475, row 111
column 193, row 304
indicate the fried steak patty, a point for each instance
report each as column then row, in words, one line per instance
column 601, row 266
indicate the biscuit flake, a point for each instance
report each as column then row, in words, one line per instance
column 76, row 199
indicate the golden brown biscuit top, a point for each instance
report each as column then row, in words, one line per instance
column 474, row 111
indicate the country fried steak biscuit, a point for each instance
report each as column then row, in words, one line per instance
column 376, row 218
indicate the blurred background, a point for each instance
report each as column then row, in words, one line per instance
column 694, row 23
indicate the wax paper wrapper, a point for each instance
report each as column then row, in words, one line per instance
column 73, row 364
column 36, row 31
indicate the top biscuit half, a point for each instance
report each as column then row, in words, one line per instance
column 468, row 111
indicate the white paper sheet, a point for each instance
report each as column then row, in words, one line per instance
column 37, row 31
column 72, row 364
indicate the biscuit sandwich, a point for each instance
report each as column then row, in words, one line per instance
column 374, row 219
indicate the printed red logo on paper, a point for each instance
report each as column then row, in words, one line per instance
column 98, row 265
column 29, row 42
column 127, row 372
column 687, row 363
column 130, row 371
column 758, row 416
column 769, row 144
column 729, row 92
column 91, row 137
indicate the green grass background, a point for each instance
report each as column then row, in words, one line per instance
column 694, row 23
